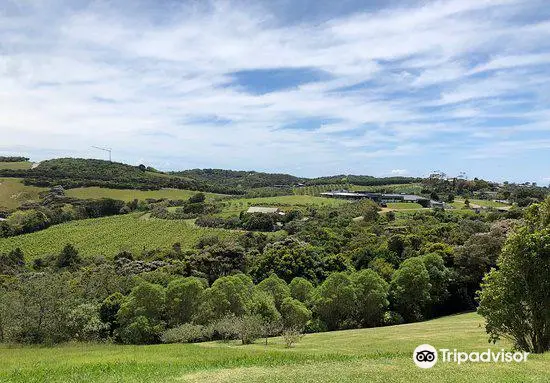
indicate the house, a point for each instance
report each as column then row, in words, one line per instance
column 263, row 210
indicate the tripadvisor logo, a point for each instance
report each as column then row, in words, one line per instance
column 426, row 356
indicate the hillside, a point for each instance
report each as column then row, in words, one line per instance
column 79, row 172
column 13, row 193
column 374, row 355
column 110, row 235
column 239, row 179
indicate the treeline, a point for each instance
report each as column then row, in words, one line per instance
column 78, row 172
column 97, row 302
column 239, row 179
column 362, row 180
column 13, row 159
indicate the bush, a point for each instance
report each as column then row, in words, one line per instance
column 291, row 337
column 186, row 333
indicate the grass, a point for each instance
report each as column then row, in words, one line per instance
column 404, row 205
column 369, row 355
column 130, row 194
column 109, row 235
column 13, row 192
column 23, row 165
column 459, row 203
column 286, row 202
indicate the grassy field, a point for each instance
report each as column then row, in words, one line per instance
column 108, row 236
column 235, row 206
column 404, row 206
column 16, row 165
column 459, row 203
column 370, row 355
column 13, row 192
column 129, row 194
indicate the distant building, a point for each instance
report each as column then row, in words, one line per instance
column 263, row 210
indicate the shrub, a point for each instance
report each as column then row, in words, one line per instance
column 186, row 333
column 291, row 337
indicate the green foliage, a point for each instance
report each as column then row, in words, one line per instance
column 301, row 289
column 335, row 300
column 186, row 333
column 440, row 277
column 227, row 295
column 295, row 314
column 68, row 258
column 289, row 259
column 515, row 298
column 183, row 298
column 410, row 289
column 371, row 297
column 276, row 288
column 140, row 316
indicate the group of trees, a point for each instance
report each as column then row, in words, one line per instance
column 96, row 303
column 13, row 159
column 55, row 208
column 515, row 296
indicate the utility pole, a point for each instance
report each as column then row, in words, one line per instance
column 108, row 150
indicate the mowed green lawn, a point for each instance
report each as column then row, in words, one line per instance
column 109, row 235
column 370, row 355
column 130, row 194
column 285, row 202
column 16, row 165
column 404, row 205
column 13, row 192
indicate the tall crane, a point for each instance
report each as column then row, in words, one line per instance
column 108, row 150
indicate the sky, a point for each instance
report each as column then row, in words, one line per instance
column 304, row 87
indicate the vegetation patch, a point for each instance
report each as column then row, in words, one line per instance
column 13, row 192
column 110, row 235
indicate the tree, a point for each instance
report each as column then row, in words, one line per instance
column 410, row 289
column 141, row 315
column 289, row 259
column 263, row 307
column 301, row 289
column 37, row 310
column 183, row 298
column 295, row 314
column 227, row 295
column 439, row 277
column 258, row 222
column 68, row 257
column 383, row 268
column 276, row 287
column 371, row 297
column 109, row 309
column 197, row 198
column 334, row 301
column 515, row 298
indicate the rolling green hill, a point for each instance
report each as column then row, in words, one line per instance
column 18, row 165
column 371, row 355
column 109, row 235
column 130, row 194
column 13, row 192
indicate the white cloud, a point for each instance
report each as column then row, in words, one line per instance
column 399, row 172
column 158, row 88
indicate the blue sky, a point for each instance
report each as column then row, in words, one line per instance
column 304, row 87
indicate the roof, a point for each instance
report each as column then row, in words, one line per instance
column 259, row 209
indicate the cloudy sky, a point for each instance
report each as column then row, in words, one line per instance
column 308, row 87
